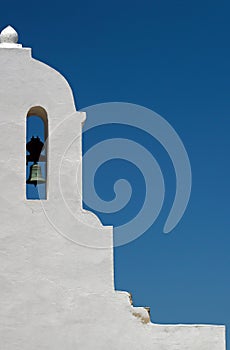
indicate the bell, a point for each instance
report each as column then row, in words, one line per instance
column 35, row 177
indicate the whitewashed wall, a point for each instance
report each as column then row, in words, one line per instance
column 56, row 260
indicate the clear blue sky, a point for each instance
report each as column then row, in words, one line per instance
column 172, row 57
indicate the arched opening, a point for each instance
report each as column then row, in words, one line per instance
column 36, row 153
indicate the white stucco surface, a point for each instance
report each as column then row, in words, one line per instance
column 56, row 268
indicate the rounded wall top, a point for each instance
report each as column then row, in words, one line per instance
column 29, row 82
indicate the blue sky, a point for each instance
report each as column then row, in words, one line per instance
column 172, row 57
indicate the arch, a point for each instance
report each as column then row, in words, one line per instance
column 36, row 152
column 40, row 112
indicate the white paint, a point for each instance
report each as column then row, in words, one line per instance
column 9, row 38
column 55, row 293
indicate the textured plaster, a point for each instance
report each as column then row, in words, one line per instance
column 54, row 292
column 9, row 38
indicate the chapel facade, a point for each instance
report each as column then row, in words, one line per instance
column 56, row 259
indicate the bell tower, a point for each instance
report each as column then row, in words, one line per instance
column 56, row 259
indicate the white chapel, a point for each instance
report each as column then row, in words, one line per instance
column 56, row 259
